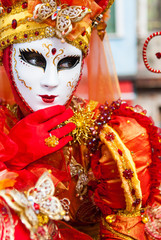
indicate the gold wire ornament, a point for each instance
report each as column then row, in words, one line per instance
column 52, row 141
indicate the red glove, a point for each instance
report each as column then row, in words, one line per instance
column 30, row 133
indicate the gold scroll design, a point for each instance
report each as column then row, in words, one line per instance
column 21, row 80
column 70, row 84
column 124, row 161
column 58, row 55
column 48, row 47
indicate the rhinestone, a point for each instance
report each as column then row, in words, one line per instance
column 9, row 9
column 83, row 33
column 36, row 33
column 14, row 23
column 24, row 5
column 128, row 173
column 120, row 152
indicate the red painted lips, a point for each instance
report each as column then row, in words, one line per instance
column 47, row 98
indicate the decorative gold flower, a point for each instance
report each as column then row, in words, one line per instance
column 84, row 120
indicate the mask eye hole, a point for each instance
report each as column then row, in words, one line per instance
column 68, row 63
column 33, row 57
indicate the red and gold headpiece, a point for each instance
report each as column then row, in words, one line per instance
column 69, row 20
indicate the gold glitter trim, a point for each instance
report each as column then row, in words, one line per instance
column 129, row 214
column 108, row 227
column 20, row 22
column 16, row 8
column 124, row 161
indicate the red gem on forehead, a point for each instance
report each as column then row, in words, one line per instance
column 24, row 5
column 53, row 51
column 14, row 23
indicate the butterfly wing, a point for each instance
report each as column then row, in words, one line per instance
column 75, row 13
column 43, row 188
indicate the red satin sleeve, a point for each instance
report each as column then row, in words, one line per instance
column 135, row 137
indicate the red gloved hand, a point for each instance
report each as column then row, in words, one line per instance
column 30, row 133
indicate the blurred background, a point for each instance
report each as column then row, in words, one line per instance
column 131, row 22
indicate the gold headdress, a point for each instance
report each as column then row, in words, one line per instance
column 69, row 20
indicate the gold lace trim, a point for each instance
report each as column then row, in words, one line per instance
column 124, row 160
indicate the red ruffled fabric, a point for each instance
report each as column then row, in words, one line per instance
column 132, row 227
column 109, row 193
column 154, row 134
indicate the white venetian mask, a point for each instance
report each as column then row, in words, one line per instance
column 45, row 72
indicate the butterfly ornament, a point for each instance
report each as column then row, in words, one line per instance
column 38, row 206
column 63, row 15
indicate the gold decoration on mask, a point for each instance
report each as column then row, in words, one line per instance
column 70, row 84
column 58, row 55
column 48, row 47
column 15, row 68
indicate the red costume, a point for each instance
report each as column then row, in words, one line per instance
column 96, row 166
column 103, row 201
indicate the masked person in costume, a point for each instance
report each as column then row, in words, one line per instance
column 70, row 168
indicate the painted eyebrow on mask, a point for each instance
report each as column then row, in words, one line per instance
column 33, row 57
column 68, row 62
